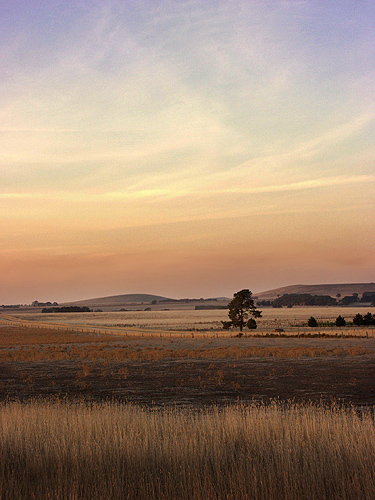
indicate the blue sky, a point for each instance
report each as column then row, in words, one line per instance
column 185, row 147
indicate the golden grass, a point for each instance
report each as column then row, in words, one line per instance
column 113, row 352
column 67, row 451
column 176, row 321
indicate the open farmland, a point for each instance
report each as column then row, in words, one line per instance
column 171, row 357
column 293, row 320
column 216, row 417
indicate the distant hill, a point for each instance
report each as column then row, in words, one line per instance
column 119, row 300
column 138, row 302
column 331, row 289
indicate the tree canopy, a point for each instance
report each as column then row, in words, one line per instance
column 240, row 307
column 304, row 299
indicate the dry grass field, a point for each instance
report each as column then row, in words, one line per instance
column 173, row 322
column 63, row 451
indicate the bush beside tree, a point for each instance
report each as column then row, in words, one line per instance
column 251, row 324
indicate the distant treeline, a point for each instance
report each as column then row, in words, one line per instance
column 36, row 303
column 209, row 307
column 185, row 301
column 66, row 309
column 306, row 299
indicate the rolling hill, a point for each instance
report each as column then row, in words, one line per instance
column 140, row 301
column 115, row 301
column 324, row 289
column 119, row 300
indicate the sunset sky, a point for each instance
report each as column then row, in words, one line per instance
column 185, row 148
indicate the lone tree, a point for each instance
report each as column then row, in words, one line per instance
column 240, row 307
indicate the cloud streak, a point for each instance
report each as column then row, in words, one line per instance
column 156, row 193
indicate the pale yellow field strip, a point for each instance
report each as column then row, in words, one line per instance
column 135, row 331
column 128, row 331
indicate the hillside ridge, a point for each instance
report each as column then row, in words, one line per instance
column 332, row 289
column 119, row 299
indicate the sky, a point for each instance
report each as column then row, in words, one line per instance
column 185, row 148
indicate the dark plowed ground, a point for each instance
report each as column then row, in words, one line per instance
column 349, row 379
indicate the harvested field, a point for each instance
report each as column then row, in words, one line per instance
column 196, row 383
column 185, row 371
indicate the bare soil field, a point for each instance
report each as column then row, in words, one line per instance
column 196, row 383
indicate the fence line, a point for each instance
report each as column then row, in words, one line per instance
column 364, row 332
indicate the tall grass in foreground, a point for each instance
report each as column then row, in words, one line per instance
column 61, row 450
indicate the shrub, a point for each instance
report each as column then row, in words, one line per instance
column 368, row 319
column 340, row 321
column 358, row 320
column 251, row 324
column 227, row 325
column 312, row 322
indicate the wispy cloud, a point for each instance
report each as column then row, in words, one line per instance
column 310, row 184
column 203, row 192
column 145, row 113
